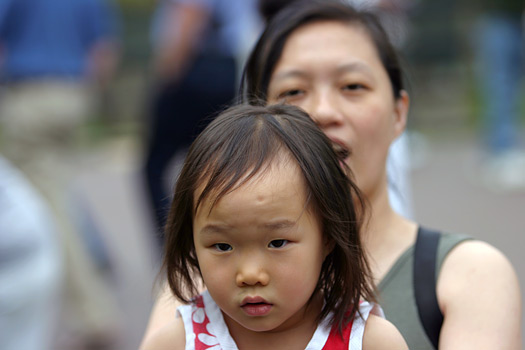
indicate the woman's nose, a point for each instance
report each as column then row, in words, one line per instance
column 251, row 271
column 325, row 111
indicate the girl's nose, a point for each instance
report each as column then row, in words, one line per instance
column 252, row 272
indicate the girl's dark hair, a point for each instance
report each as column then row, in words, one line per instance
column 269, row 47
column 242, row 142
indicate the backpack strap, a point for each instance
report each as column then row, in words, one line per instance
column 425, row 256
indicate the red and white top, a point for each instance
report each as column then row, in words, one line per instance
column 206, row 330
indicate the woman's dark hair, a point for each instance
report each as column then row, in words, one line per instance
column 242, row 142
column 269, row 47
column 268, row 8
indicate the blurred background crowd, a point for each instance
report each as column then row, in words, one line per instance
column 99, row 98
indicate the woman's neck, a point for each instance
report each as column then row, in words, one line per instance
column 386, row 234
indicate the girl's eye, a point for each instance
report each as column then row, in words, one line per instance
column 278, row 243
column 223, row 247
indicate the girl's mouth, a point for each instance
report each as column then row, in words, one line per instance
column 256, row 306
column 257, row 309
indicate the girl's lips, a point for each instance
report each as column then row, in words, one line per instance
column 253, row 300
column 256, row 306
column 257, row 309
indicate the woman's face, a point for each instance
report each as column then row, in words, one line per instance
column 332, row 70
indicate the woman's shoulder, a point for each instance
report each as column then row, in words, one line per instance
column 474, row 261
column 170, row 337
column 382, row 334
column 479, row 294
column 480, row 255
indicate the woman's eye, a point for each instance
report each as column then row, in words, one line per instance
column 355, row 86
column 278, row 243
column 223, row 247
column 290, row 93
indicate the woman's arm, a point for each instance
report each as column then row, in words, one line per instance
column 380, row 334
column 170, row 337
column 479, row 295
column 163, row 313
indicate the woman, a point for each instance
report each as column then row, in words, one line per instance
column 337, row 64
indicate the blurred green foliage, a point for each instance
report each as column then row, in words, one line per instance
column 135, row 19
column 146, row 5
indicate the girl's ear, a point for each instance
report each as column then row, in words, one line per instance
column 402, row 104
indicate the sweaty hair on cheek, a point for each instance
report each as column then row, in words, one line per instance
column 242, row 142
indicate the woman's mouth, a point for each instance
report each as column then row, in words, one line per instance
column 256, row 306
column 342, row 152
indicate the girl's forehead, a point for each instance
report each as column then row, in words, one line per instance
column 281, row 167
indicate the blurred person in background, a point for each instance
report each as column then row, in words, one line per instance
column 393, row 15
column 54, row 56
column 196, row 45
column 499, row 52
column 31, row 265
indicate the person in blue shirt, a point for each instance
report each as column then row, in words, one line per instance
column 53, row 56
column 57, row 39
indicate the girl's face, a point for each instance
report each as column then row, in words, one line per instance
column 260, row 251
column 332, row 70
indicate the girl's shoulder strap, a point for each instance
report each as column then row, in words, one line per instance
column 352, row 335
column 185, row 312
column 210, row 330
column 196, row 324
column 358, row 328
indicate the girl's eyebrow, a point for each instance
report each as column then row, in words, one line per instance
column 214, row 228
column 280, row 224
column 274, row 226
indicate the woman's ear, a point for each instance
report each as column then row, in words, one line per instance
column 329, row 246
column 402, row 105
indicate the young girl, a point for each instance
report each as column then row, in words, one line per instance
column 265, row 214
